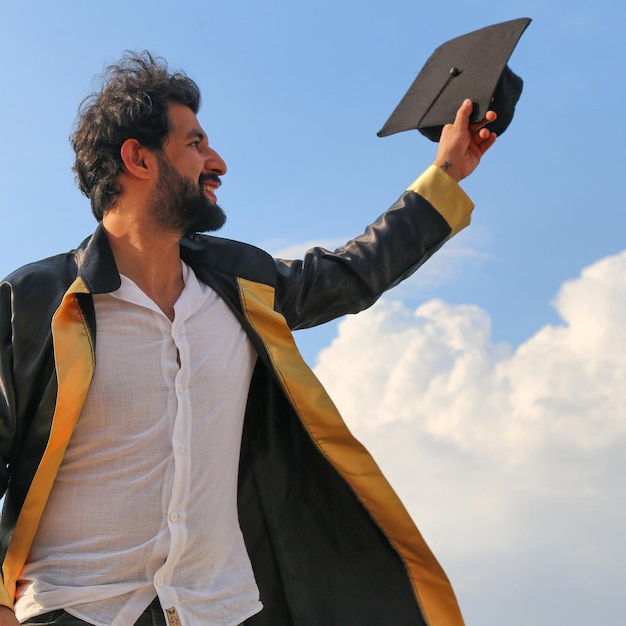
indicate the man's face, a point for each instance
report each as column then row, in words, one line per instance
column 184, row 198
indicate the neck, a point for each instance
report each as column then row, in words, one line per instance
column 149, row 257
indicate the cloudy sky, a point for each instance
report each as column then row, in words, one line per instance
column 490, row 385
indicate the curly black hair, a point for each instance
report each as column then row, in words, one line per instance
column 132, row 103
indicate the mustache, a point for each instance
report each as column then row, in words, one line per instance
column 214, row 178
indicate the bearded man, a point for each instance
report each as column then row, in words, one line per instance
column 167, row 457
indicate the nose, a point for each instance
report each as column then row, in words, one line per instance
column 214, row 163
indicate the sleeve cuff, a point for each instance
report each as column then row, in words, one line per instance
column 445, row 195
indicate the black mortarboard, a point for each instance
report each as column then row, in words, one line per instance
column 472, row 66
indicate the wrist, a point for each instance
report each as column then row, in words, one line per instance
column 449, row 168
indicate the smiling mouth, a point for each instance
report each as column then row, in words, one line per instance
column 210, row 184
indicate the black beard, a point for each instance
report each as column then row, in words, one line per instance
column 180, row 206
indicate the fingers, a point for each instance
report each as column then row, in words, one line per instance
column 463, row 114
column 484, row 139
column 462, row 121
column 481, row 134
column 490, row 116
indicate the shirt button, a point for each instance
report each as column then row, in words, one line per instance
column 179, row 388
column 180, row 449
column 175, row 335
column 173, row 517
column 159, row 581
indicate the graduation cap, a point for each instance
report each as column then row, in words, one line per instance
column 472, row 66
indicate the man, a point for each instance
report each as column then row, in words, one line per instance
column 167, row 456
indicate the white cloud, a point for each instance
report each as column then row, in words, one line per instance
column 512, row 461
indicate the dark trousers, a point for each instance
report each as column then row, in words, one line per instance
column 152, row 616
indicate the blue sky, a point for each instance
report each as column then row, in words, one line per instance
column 293, row 96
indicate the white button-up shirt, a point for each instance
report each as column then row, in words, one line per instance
column 145, row 501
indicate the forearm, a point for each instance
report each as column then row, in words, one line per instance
column 325, row 285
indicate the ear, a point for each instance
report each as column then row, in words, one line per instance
column 138, row 160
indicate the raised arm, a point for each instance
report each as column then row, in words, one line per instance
column 325, row 285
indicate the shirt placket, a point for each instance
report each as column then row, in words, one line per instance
column 164, row 579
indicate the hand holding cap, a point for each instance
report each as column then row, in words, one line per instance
column 473, row 66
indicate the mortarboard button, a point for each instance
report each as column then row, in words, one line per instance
column 471, row 66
